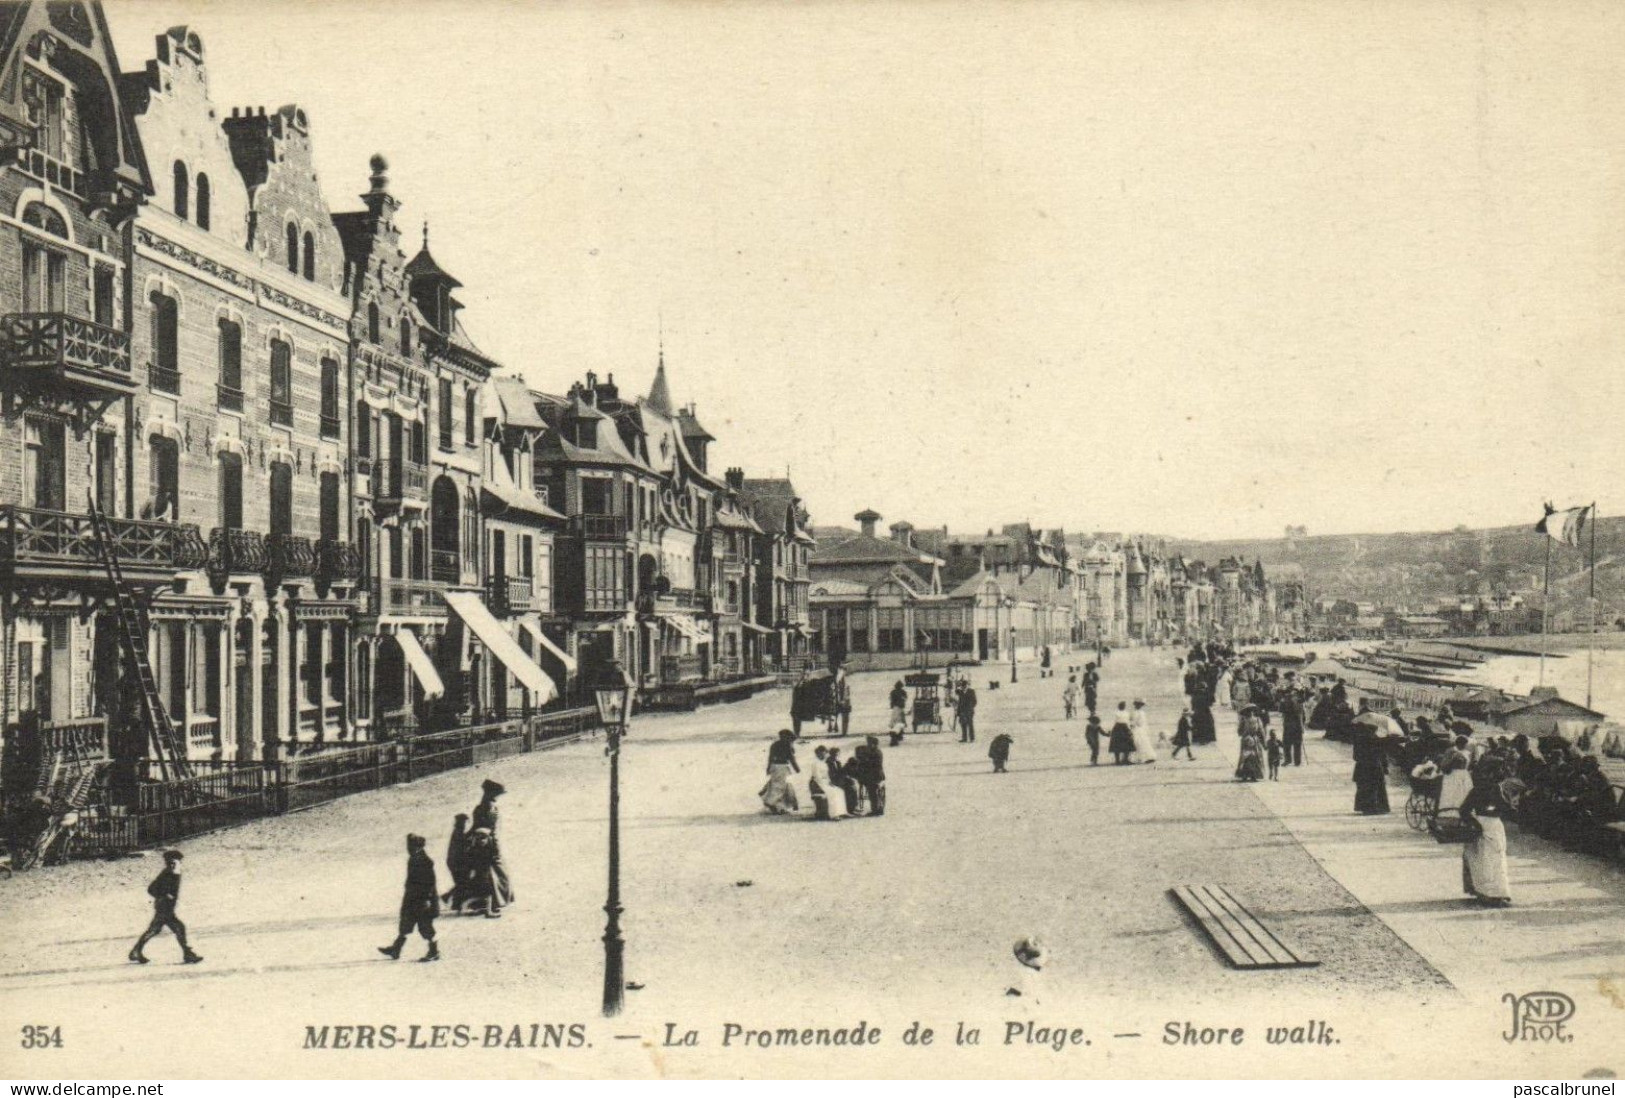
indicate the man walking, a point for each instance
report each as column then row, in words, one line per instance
column 872, row 774
column 1091, row 687
column 419, row 904
column 967, row 715
column 165, row 891
column 1291, row 708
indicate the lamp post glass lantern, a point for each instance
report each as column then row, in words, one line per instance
column 613, row 693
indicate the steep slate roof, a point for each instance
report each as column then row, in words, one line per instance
column 771, row 499
column 610, row 449
column 517, row 403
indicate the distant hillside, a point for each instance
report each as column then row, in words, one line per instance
column 1410, row 568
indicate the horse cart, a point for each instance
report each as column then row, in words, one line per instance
column 816, row 698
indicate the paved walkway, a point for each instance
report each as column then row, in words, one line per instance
column 736, row 916
column 1566, row 927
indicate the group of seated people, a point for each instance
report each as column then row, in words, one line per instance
column 1565, row 795
column 1558, row 792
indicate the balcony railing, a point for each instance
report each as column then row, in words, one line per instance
column 230, row 399
column 337, row 562
column 236, row 552
column 445, row 566
column 85, row 736
column 330, row 426
column 67, row 348
column 397, row 480
column 164, row 380
column 282, row 413
column 509, row 595
column 32, row 536
column 599, row 527
column 679, row 668
column 412, row 598
column 289, row 555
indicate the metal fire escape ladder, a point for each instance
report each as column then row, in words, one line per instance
column 167, row 746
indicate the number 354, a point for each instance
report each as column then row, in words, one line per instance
column 42, row 1037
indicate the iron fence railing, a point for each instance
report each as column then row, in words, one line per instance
column 223, row 793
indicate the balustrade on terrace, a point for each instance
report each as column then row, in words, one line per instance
column 68, row 350
column 35, row 539
column 411, row 598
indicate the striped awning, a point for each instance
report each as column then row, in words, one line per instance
column 501, row 644
column 420, row 663
column 534, row 628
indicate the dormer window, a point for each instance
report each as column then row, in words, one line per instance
column 372, row 321
column 406, row 337
column 587, row 434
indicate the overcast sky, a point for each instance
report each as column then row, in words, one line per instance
column 1203, row 269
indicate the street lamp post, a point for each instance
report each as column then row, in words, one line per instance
column 1012, row 645
column 614, row 696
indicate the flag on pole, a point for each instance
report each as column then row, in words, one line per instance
column 1567, row 526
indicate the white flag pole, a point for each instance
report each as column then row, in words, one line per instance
column 1591, row 644
column 1545, row 608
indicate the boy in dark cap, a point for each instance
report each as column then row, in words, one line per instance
column 165, row 891
column 419, row 904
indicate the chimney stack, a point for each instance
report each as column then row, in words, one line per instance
column 903, row 533
column 867, row 521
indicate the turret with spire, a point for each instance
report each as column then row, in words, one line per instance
column 432, row 287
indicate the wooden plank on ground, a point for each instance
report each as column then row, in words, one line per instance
column 1257, row 926
column 1237, row 933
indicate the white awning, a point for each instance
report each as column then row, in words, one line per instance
column 686, row 626
column 420, row 663
column 534, row 628
column 500, row 643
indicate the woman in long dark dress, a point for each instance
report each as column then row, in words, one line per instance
column 1203, row 729
column 1370, row 772
column 1122, row 737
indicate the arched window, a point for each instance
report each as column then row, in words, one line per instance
column 406, row 336
column 293, row 247
column 45, row 219
column 310, row 257
column 372, row 321
column 182, row 190
column 203, row 196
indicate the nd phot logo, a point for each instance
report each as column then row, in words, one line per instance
column 1539, row 1016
